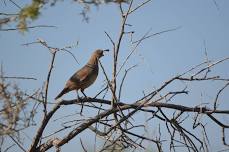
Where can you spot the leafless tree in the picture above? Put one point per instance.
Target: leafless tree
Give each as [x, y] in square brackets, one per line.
[114, 121]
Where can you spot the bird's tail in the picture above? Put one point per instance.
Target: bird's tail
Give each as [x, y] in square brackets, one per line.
[65, 90]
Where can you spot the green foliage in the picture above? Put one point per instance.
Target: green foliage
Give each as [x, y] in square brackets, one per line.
[31, 11]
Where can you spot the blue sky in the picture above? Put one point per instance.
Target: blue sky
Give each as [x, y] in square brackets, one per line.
[158, 58]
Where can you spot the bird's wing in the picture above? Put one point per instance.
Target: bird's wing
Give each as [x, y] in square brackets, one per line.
[82, 75]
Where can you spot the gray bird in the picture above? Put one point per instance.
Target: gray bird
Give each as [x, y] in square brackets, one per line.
[85, 77]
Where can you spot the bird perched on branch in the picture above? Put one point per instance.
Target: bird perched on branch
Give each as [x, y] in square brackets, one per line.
[85, 77]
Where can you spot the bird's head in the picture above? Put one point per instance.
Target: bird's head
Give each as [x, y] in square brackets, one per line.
[99, 53]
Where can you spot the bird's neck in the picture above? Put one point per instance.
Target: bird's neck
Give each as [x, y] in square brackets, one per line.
[93, 60]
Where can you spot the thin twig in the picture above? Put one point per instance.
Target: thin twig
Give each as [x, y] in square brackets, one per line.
[8, 148]
[17, 143]
[29, 27]
[81, 142]
[14, 77]
[9, 14]
[132, 51]
[117, 48]
[63, 49]
[15, 4]
[158, 33]
[224, 137]
[217, 96]
[139, 6]
[121, 85]
[113, 43]
[209, 66]
[47, 82]
[108, 82]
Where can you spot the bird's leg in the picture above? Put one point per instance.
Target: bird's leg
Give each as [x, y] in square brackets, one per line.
[82, 103]
[81, 111]
[83, 93]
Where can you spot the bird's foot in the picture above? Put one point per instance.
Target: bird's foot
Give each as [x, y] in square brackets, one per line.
[87, 98]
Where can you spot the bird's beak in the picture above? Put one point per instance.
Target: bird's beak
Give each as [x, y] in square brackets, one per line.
[107, 50]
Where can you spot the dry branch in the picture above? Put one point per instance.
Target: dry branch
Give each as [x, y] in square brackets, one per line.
[135, 106]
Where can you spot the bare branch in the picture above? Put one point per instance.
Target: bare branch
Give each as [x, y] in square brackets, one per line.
[219, 92]
[132, 51]
[53, 51]
[117, 48]
[139, 6]
[209, 66]
[29, 27]
[84, 149]
[108, 82]
[15, 4]
[217, 121]
[224, 137]
[158, 33]
[100, 116]
[121, 85]
[17, 143]
[63, 49]
[113, 43]
[14, 77]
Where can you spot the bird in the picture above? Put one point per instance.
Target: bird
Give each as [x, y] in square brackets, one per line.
[85, 76]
